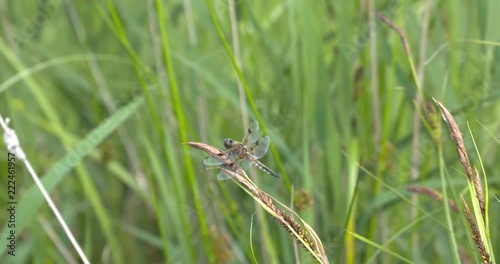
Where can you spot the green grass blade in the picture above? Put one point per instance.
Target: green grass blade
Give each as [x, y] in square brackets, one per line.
[32, 199]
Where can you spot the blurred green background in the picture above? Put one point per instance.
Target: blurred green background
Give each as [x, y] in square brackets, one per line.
[103, 95]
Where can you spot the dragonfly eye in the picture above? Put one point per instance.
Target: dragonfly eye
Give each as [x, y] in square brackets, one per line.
[228, 142]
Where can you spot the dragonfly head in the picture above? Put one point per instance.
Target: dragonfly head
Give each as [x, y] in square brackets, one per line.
[228, 143]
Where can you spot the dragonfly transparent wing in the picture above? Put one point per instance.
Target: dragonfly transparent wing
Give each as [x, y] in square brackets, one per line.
[252, 133]
[219, 160]
[211, 161]
[261, 146]
[222, 176]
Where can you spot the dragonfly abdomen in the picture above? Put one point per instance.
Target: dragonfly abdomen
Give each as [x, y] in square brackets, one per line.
[264, 168]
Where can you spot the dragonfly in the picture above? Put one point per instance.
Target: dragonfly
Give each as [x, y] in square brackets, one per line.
[250, 149]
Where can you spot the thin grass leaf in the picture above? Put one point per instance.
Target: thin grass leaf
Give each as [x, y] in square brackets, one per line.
[384, 249]
[32, 199]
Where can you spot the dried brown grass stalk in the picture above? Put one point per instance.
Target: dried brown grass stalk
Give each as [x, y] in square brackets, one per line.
[398, 30]
[476, 236]
[433, 194]
[475, 181]
[456, 135]
[302, 233]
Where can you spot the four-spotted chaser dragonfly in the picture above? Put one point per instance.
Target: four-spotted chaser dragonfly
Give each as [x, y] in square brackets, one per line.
[250, 149]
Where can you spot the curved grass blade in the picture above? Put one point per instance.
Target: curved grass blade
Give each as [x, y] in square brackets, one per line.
[32, 199]
[371, 243]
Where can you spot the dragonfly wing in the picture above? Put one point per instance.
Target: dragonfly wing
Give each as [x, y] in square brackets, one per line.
[210, 160]
[222, 176]
[261, 147]
[252, 133]
[222, 159]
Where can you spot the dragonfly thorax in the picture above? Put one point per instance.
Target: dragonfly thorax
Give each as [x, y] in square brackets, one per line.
[236, 148]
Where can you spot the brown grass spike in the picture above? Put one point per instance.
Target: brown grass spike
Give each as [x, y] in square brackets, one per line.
[433, 194]
[476, 236]
[296, 230]
[456, 135]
